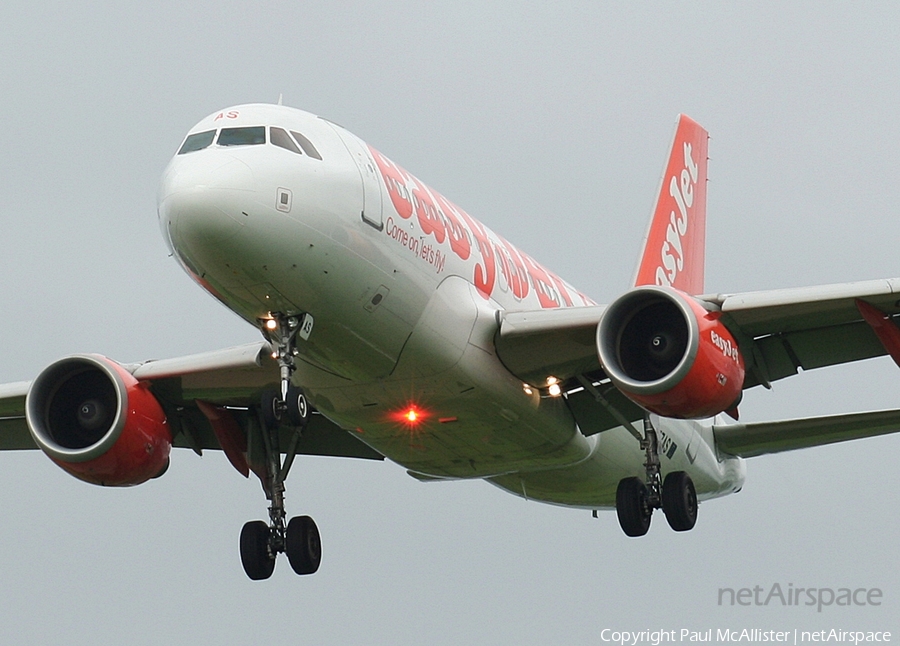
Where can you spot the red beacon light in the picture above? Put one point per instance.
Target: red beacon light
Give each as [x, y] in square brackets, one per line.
[410, 416]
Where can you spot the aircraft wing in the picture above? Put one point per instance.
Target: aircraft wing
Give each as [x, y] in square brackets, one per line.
[233, 377]
[779, 333]
[534, 345]
[787, 330]
[750, 440]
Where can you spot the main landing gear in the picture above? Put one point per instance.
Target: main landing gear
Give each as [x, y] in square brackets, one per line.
[635, 500]
[299, 539]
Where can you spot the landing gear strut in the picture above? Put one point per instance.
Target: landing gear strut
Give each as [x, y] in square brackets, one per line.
[636, 499]
[299, 538]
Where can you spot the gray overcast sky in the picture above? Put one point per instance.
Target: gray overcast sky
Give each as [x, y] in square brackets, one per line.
[551, 125]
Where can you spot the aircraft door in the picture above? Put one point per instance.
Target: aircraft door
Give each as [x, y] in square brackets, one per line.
[372, 209]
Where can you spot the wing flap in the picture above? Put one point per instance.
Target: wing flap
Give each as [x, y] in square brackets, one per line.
[783, 354]
[828, 346]
[760, 438]
[14, 432]
[321, 436]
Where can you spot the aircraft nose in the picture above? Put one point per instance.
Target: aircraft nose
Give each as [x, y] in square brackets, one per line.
[202, 208]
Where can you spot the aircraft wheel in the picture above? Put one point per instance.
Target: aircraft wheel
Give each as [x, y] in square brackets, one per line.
[679, 500]
[632, 506]
[303, 545]
[255, 557]
[270, 405]
[297, 407]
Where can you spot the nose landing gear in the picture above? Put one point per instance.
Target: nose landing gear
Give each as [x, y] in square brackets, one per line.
[299, 539]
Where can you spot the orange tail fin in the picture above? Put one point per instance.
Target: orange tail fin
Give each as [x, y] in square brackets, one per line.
[676, 240]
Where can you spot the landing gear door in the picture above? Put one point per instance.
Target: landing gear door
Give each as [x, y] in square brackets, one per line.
[693, 446]
[372, 210]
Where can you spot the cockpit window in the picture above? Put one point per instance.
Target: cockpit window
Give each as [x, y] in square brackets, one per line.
[242, 136]
[306, 145]
[282, 139]
[197, 141]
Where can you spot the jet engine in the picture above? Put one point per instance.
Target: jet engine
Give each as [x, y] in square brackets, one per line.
[97, 422]
[667, 353]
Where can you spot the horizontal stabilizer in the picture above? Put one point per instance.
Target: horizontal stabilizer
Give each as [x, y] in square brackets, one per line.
[750, 440]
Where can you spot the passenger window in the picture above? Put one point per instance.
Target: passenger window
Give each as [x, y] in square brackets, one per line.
[242, 136]
[280, 138]
[197, 141]
[306, 145]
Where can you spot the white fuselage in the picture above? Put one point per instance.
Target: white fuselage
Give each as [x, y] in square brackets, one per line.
[403, 289]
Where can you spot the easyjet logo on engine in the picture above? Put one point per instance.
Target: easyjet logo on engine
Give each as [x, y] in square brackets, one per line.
[681, 189]
[725, 345]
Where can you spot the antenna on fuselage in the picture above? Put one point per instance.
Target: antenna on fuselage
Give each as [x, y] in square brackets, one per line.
[279, 98]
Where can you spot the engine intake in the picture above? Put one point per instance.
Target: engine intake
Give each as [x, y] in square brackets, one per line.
[667, 353]
[97, 422]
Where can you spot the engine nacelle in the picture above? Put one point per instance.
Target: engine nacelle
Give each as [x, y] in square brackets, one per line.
[97, 422]
[667, 353]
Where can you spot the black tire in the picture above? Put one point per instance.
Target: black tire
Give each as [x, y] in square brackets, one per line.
[679, 500]
[297, 407]
[303, 545]
[270, 405]
[632, 507]
[255, 558]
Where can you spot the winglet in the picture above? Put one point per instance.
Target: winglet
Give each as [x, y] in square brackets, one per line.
[674, 248]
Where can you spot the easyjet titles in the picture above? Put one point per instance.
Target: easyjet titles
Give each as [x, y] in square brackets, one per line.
[725, 345]
[681, 189]
[447, 225]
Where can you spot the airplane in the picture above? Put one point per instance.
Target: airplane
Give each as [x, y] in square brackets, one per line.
[396, 326]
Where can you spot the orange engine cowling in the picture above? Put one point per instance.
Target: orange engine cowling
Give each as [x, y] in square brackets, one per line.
[97, 422]
[667, 353]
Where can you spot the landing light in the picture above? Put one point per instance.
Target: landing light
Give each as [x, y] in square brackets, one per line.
[271, 324]
[553, 387]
